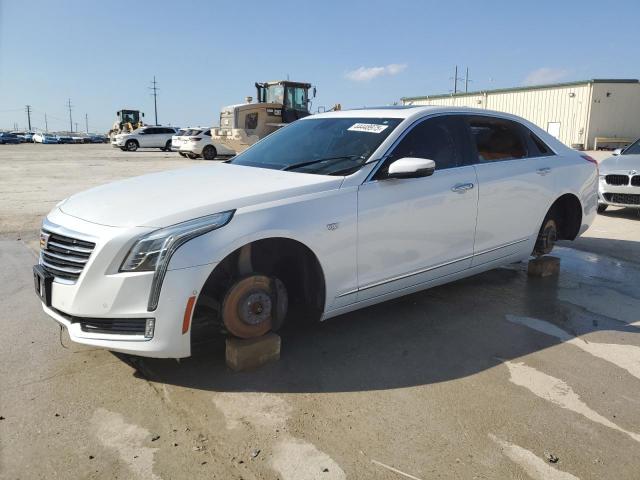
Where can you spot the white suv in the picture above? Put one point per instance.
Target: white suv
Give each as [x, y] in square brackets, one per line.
[330, 214]
[197, 143]
[145, 137]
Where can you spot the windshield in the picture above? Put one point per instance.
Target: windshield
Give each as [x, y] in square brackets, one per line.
[633, 149]
[326, 146]
[274, 94]
[129, 117]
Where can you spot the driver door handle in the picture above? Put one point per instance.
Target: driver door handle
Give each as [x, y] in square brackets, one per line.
[543, 171]
[462, 187]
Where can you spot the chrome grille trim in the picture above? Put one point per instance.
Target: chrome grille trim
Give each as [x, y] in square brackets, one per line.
[64, 256]
[69, 247]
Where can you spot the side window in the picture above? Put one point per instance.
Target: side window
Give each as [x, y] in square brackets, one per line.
[207, 132]
[151, 131]
[436, 139]
[251, 121]
[537, 148]
[497, 139]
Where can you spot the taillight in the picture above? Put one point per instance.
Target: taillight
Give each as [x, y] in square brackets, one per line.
[592, 160]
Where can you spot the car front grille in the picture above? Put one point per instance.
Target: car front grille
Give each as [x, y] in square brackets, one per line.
[63, 256]
[622, 198]
[635, 181]
[617, 179]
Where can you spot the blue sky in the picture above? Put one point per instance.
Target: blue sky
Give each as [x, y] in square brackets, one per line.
[205, 55]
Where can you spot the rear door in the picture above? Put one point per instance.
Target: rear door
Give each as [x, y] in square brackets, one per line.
[516, 185]
[413, 230]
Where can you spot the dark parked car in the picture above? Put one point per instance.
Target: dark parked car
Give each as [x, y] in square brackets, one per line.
[9, 138]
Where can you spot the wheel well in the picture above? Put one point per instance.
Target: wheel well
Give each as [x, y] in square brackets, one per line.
[289, 260]
[567, 212]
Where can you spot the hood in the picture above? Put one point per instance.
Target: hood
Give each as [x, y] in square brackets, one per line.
[167, 198]
[625, 163]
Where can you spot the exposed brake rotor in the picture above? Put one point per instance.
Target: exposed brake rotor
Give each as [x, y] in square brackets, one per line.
[254, 305]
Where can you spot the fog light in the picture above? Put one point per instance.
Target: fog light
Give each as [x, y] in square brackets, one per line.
[149, 327]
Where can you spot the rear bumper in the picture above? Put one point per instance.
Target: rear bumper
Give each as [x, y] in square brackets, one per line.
[191, 147]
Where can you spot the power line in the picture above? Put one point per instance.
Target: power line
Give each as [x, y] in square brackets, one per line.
[155, 89]
[28, 108]
[70, 119]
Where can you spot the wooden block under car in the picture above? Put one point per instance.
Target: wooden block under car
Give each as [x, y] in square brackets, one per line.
[247, 353]
[544, 267]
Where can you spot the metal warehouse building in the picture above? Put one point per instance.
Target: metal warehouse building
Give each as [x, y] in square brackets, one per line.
[586, 115]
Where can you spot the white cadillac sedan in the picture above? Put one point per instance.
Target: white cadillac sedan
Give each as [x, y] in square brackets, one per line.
[328, 215]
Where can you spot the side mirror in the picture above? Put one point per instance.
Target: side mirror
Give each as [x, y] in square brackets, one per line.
[143, 115]
[618, 151]
[411, 167]
[314, 92]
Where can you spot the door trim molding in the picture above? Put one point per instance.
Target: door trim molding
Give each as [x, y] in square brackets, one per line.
[428, 269]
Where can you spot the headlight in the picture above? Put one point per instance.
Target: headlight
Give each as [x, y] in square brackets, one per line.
[153, 251]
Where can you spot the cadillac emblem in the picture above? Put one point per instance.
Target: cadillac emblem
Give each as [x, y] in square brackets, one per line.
[44, 240]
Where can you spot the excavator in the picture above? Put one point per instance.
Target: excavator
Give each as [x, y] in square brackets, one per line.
[277, 103]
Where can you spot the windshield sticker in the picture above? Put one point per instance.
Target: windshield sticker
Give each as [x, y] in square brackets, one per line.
[367, 127]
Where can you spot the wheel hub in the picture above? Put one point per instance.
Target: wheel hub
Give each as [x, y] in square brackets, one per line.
[255, 308]
[547, 238]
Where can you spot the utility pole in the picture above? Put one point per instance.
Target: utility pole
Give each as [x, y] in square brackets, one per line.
[46, 125]
[28, 107]
[155, 89]
[466, 81]
[455, 81]
[76, 128]
[70, 119]
[86, 121]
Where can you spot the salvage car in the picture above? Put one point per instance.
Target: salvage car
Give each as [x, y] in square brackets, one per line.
[44, 137]
[620, 179]
[327, 215]
[198, 144]
[145, 137]
[11, 138]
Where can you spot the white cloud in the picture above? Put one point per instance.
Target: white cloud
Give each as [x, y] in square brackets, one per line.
[545, 75]
[365, 74]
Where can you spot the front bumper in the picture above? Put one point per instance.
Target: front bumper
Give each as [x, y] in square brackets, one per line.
[102, 292]
[118, 142]
[618, 195]
[168, 340]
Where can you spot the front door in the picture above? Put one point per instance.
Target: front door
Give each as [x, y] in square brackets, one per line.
[413, 230]
[146, 139]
